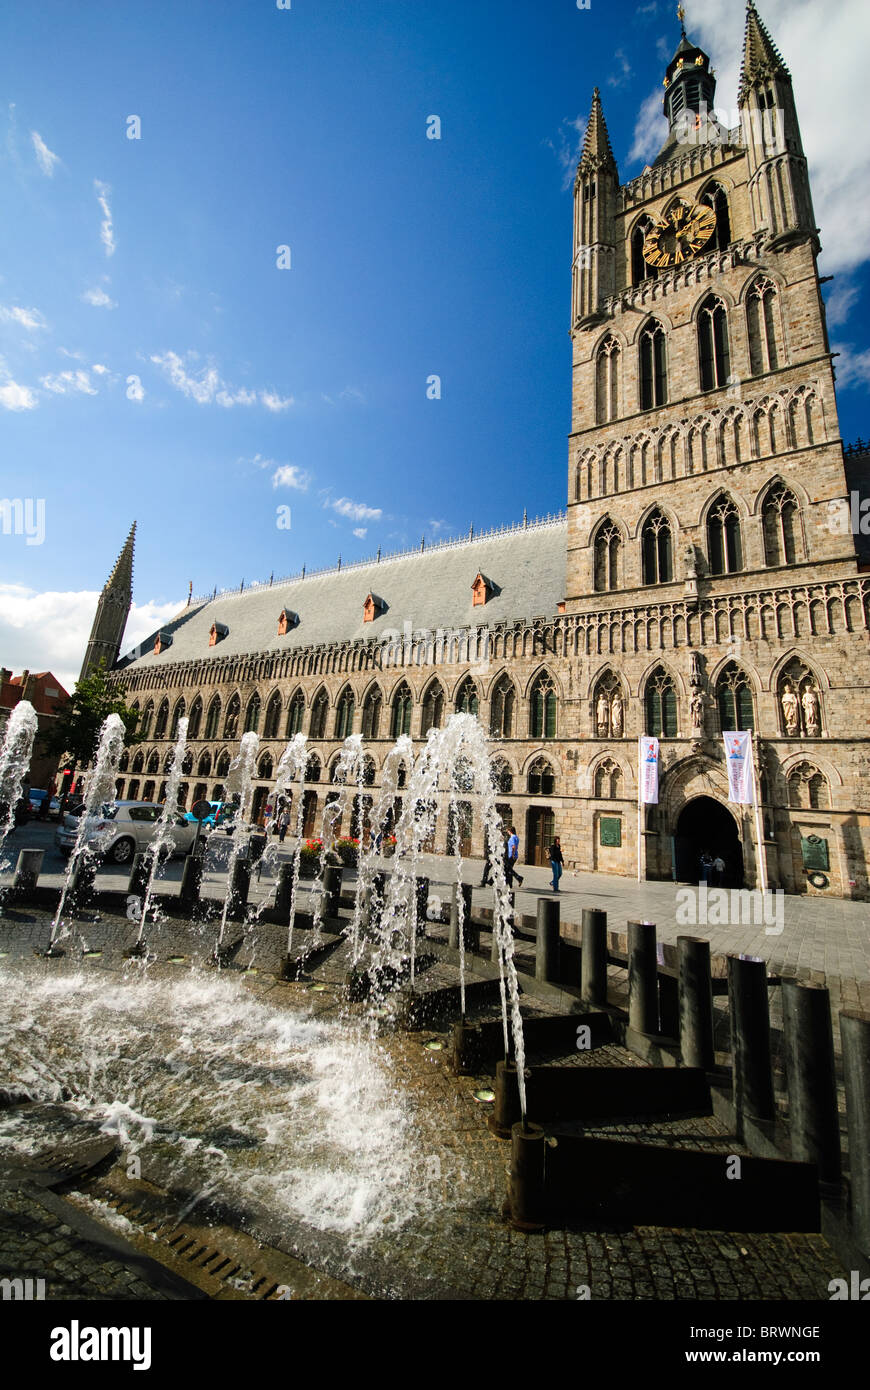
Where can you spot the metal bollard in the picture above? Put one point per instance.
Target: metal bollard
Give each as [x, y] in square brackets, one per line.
[696, 1002]
[855, 1045]
[506, 1109]
[139, 875]
[750, 1038]
[494, 950]
[593, 961]
[548, 943]
[191, 881]
[643, 983]
[527, 1189]
[284, 890]
[82, 883]
[27, 872]
[466, 1049]
[239, 889]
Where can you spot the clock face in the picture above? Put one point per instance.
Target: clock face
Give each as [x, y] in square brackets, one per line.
[679, 236]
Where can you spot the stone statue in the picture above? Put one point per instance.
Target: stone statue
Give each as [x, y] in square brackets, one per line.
[696, 708]
[810, 702]
[691, 563]
[602, 716]
[616, 715]
[697, 678]
[789, 702]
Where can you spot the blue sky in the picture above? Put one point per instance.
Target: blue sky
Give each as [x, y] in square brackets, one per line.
[156, 364]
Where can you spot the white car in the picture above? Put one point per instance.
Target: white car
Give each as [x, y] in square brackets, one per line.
[123, 828]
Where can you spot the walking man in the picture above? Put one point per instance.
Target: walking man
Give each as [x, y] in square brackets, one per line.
[283, 822]
[556, 863]
[512, 854]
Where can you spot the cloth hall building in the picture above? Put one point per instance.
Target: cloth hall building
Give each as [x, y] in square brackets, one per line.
[705, 575]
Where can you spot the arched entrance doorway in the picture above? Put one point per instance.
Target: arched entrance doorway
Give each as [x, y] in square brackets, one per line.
[707, 825]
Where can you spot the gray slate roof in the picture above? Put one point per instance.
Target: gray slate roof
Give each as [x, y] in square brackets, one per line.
[429, 589]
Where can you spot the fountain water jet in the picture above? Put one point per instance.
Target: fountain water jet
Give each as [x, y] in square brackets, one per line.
[243, 766]
[15, 756]
[162, 838]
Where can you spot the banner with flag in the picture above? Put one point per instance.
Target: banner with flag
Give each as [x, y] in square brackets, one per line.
[741, 772]
[648, 778]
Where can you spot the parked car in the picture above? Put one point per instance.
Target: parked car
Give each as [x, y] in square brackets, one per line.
[122, 829]
[54, 808]
[37, 799]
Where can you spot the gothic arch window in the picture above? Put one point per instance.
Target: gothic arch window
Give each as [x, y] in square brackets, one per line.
[167, 763]
[252, 714]
[195, 721]
[734, 699]
[639, 268]
[713, 352]
[180, 707]
[716, 198]
[660, 702]
[148, 715]
[608, 707]
[503, 709]
[222, 766]
[153, 766]
[808, 788]
[541, 781]
[344, 713]
[313, 768]
[724, 547]
[608, 361]
[780, 525]
[764, 327]
[295, 714]
[653, 369]
[162, 720]
[264, 767]
[402, 704]
[501, 776]
[231, 722]
[369, 771]
[272, 722]
[657, 549]
[213, 718]
[138, 761]
[542, 712]
[606, 557]
[319, 708]
[372, 705]
[466, 697]
[203, 767]
[433, 707]
[608, 781]
[799, 701]
[124, 761]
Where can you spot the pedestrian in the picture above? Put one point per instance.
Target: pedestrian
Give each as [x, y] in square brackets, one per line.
[706, 866]
[556, 862]
[718, 875]
[512, 854]
[283, 823]
[487, 864]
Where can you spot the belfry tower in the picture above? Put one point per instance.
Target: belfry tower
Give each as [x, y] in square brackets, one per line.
[113, 608]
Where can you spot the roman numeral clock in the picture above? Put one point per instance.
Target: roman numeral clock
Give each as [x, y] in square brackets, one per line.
[680, 235]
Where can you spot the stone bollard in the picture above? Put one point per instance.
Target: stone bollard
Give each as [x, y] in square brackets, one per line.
[696, 1002]
[284, 891]
[527, 1187]
[750, 1039]
[506, 1108]
[139, 875]
[548, 941]
[643, 982]
[812, 1089]
[240, 887]
[855, 1045]
[467, 928]
[27, 872]
[593, 960]
[191, 882]
[331, 890]
[466, 1049]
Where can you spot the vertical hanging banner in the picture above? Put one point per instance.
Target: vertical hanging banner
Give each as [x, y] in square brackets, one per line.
[648, 771]
[741, 773]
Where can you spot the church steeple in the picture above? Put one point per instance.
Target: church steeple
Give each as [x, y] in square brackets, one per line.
[596, 152]
[112, 612]
[761, 57]
[596, 189]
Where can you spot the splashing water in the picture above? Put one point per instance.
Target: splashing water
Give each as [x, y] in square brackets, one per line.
[15, 756]
[241, 777]
[163, 838]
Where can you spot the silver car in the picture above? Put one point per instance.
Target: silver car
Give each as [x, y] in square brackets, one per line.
[122, 829]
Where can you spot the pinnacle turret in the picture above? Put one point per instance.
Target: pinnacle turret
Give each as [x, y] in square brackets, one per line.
[596, 152]
[761, 57]
[113, 610]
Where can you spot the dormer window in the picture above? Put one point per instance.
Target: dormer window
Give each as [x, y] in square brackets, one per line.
[287, 620]
[217, 633]
[481, 590]
[161, 642]
[372, 608]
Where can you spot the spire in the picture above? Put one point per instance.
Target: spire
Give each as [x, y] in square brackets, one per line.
[596, 153]
[122, 574]
[761, 57]
[113, 608]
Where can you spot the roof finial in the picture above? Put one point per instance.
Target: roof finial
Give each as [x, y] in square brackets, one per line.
[681, 16]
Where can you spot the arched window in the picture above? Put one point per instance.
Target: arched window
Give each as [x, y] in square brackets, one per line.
[724, 549]
[653, 371]
[148, 715]
[808, 788]
[180, 707]
[124, 761]
[138, 761]
[502, 709]
[779, 515]
[295, 714]
[195, 721]
[313, 769]
[369, 771]
[608, 781]
[162, 720]
[717, 199]
[541, 779]
[252, 714]
[466, 697]
[222, 766]
[501, 776]
[231, 722]
[153, 766]
[344, 713]
[372, 706]
[713, 352]
[433, 707]
[799, 701]
[542, 712]
[657, 550]
[272, 723]
[606, 557]
[317, 727]
[763, 325]
[203, 767]
[608, 361]
[402, 703]
[213, 718]
[661, 705]
[734, 699]
[608, 707]
[264, 767]
[639, 268]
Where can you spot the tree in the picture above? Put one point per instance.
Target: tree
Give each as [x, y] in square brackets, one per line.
[76, 729]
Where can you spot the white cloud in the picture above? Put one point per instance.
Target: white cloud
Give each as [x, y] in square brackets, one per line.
[27, 318]
[361, 532]
[69, 384]
[852, 368]
[99, 299]
[13, 396]
[207, 387]
[272, 401]
[650, 129]
[355, 511]
[839, 303]
[44, 157]
[288, 475]
[107, 231]
[621, 76]
[49, 631]
[349, 393]
[567, 147]
[100, 369]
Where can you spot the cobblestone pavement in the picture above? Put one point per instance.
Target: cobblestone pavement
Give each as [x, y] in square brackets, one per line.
[458, 1246]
